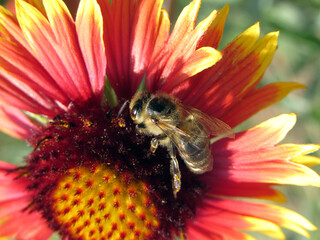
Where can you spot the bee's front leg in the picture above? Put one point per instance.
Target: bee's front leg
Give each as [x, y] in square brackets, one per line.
[155, 142]
[175, 171]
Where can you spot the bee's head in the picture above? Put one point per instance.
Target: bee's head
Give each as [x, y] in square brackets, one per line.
[137, 105]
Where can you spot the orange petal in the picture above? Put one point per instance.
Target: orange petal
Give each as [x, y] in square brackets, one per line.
[67, 47]
[266, 227]
[148, 19]
[89, 20]
[272, 172]
[185, 23]
[57, 51]
[9, 27]
[201, 59]
[217, 86]
[181, 48]
[244, 42]
[18, 65]
[14, 199]
[40, 36]
[180, 45]
[177, 51]
[208, 227]
[209, 218]
[14, 123]
[264, 135]
[280, 152]
[263, 50]
[256, 101]
[213, 35]
[252, 157]
[237, 79]
[271, 213]
[162, 37]
[37, 4]
[15, 92]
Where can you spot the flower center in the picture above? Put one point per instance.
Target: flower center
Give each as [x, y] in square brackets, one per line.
[98, 203]
[93, 176]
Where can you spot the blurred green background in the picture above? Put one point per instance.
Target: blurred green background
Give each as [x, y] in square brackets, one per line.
[297, 59]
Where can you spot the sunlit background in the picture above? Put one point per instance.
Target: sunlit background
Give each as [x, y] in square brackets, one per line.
[297, 59]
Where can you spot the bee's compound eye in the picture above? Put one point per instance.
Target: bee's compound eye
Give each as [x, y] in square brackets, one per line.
[136, 109]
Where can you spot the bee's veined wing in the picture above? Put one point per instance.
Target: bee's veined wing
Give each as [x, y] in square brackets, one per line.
[213, 126]
[192, 151]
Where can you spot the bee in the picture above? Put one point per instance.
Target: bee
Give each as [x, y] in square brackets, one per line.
[177, 127]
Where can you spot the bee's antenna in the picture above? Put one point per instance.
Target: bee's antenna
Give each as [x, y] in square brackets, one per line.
[122, 108]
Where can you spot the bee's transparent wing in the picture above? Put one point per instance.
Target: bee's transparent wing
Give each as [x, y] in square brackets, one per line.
[193, 150]
[213, 126]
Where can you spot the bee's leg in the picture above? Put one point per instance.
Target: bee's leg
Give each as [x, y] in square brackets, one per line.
[155, 142]
[175, 171]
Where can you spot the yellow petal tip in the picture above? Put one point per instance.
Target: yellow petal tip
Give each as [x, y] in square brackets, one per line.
[225, 9]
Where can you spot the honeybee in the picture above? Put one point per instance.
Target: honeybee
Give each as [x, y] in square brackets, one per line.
[176, 126]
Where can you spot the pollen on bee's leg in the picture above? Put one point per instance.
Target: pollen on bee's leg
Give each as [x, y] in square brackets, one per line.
[102, 204]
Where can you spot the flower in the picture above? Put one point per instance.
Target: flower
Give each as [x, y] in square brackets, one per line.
[91, 175]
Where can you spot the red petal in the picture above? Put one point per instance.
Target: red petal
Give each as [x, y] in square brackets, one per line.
[20, 95]
[117, 20]
[20, 65]
[52, 55]
[148, 20]
[89, 20]
[224, 186]
[15, 123]
[179, 47]
[15, 220]
[67, 46]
